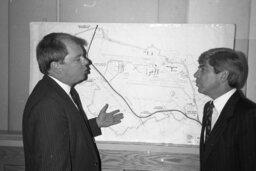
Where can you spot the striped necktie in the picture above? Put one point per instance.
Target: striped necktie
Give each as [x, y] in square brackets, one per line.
[208, 119]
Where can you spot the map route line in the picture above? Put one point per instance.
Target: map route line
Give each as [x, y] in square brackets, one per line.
[176, 110]
[160, 111]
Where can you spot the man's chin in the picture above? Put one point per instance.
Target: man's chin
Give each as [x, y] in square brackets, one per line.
[84, 79]
[199, 90]
[202, 92]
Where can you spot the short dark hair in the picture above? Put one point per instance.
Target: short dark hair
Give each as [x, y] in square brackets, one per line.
[52, 48]
[234, 62]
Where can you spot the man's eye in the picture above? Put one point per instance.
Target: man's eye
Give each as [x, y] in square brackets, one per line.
[201, 69]
[79, 59]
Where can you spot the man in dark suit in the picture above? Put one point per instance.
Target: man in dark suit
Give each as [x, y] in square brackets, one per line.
[57, 135]
[231, 143]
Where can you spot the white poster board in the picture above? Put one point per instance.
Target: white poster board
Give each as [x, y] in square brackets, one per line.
[146, 71]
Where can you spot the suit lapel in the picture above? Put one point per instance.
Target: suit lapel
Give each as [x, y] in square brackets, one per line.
[67, 99]
[221, 124]
[56, 87]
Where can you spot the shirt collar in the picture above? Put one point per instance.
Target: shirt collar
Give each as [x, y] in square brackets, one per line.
[220, 102]
[64, 86]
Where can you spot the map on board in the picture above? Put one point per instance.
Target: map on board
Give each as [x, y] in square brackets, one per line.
[146, 71]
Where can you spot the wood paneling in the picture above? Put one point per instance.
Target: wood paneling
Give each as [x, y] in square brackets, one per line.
[134, 160]
[12, 159]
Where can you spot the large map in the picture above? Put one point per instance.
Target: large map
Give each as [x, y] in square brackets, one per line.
[146, 71]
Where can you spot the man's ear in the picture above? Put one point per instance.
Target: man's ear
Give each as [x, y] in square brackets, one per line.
[56, 67]
[224, 75]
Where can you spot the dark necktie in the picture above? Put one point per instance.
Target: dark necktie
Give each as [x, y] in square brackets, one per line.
[208, 119]
[76, 99]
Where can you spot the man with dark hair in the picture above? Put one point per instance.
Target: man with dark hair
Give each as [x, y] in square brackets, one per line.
[228, 135]
[57, 135]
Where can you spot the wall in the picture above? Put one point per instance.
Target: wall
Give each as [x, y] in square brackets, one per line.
[231, 11]
[21, 12]
[4, 65]
[251, 83]
[137, 11]
[224, 11]
[15, 16]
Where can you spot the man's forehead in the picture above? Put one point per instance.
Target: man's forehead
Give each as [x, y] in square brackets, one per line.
[204, 64]
[68, 42]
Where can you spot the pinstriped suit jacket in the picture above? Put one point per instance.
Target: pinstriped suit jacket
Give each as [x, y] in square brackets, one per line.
[55, 135]
[232, 143]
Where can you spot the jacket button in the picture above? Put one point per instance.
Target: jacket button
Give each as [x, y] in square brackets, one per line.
[95, 164]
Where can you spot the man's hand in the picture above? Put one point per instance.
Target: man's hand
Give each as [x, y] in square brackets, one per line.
[107, 119]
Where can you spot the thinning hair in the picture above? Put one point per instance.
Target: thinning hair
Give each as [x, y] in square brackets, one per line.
[52, 48]
[234, 62]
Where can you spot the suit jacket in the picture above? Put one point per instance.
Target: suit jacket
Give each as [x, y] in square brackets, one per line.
[55, 135]
[232, 142]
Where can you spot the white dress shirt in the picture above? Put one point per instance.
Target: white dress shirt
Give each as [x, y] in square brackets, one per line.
[219, 104]
[65, 87]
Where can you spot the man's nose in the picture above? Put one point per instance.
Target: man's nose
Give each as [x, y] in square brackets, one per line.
[89, 61]
[85, 61]
[196, 74]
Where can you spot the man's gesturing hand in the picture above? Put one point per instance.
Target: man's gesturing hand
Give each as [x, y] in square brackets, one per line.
[107, 119]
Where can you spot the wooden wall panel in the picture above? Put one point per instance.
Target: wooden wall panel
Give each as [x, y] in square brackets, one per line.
[12, 159]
